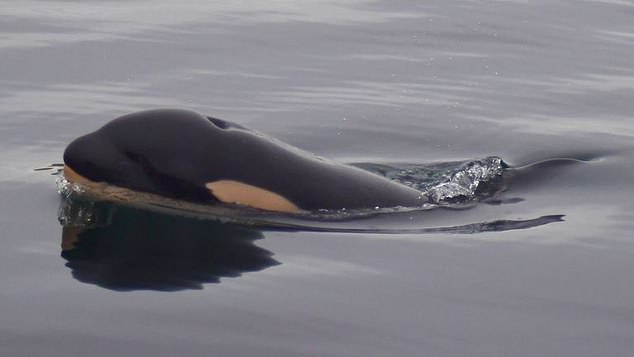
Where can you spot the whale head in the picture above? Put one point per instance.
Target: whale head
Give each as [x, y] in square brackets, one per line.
[179, 154]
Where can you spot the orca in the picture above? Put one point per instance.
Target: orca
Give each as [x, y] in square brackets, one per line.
[185, 155]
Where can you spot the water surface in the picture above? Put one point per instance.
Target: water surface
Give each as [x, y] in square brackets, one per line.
[547, 86]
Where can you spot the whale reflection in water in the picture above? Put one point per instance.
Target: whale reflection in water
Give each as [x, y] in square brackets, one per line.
[124, 248]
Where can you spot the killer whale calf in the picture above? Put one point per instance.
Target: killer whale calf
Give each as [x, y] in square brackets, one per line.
[185, 155]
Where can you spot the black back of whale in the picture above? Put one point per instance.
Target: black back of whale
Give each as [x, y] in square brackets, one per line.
[176, 152]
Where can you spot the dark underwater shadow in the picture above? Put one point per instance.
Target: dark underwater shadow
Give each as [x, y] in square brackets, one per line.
[123, 248]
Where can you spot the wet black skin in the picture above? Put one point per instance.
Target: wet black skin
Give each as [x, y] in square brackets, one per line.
[174, 153]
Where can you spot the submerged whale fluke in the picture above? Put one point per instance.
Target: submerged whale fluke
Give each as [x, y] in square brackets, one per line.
[185, 155]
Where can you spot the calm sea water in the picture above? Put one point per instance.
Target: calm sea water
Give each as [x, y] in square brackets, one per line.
[532, 82]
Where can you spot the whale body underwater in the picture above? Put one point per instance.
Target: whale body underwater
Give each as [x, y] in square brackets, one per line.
[185, 155]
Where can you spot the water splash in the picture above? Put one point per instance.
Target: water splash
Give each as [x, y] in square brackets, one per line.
[448, 182]
[473, 179]
[73, 212]
[66, 188]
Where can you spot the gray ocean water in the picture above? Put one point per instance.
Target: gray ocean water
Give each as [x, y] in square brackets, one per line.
[548, 86]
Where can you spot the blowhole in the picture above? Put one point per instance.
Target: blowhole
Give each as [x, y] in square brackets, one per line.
[218, 122]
